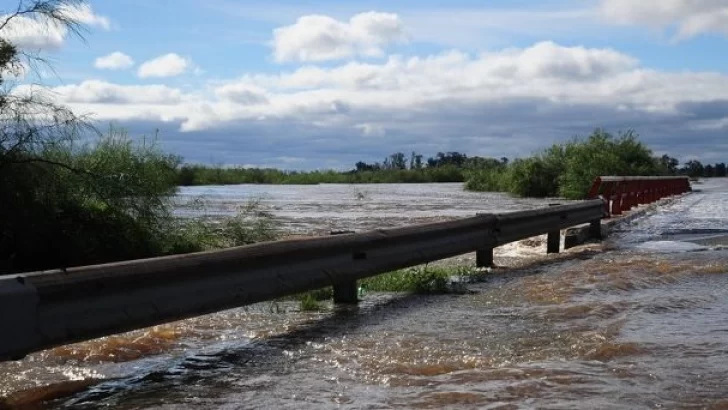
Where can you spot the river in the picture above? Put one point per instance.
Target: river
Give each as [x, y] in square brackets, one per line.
[639, 321]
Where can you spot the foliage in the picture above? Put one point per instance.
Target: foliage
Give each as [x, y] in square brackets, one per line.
[63, 205]
[70, 196]
[444, 167]
[422, 280]
[250, 224]
[568, 169]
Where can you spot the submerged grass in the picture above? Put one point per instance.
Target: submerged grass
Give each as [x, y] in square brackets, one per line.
[421, 280]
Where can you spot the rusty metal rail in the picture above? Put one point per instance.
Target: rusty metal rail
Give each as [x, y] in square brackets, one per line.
[624, 193]
[41, 310]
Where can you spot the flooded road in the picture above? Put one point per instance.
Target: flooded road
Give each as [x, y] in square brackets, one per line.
[639, 322]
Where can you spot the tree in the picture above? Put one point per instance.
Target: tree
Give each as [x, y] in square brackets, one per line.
[62, 202]
[720, 169]
[418, 161]
[669, 164]
[693, 169]
[443, 159]
[397, 161]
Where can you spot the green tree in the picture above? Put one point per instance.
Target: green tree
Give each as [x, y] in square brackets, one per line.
[669, 164]
[720, 169]
[569, 169]
[693, 168]
[63, 202]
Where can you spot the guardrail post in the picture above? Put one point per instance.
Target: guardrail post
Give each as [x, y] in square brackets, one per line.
[345, 292]
[617, 203]
[595, 229]
[484, 257]
[553, 239]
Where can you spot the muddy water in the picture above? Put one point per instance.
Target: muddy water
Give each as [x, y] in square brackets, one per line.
[306, 209]
[638, 322]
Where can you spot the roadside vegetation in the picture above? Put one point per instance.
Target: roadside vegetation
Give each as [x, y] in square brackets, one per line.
[422, 280]
[567, 170]
[71, 195]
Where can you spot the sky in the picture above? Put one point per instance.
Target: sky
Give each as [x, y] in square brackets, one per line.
[323, 84]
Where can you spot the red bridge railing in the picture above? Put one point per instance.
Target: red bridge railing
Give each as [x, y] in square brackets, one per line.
[624, 193]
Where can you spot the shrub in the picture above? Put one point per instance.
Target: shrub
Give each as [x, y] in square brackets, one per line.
[569, 169]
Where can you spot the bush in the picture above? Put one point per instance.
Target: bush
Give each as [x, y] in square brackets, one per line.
[62, 204]
[249, 225]
[568, 169]
[67, 204]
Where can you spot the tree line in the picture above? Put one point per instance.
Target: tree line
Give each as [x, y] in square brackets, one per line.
[564, 169]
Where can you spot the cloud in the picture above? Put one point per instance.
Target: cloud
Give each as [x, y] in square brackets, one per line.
[85, 15]
[510, 102]
[689, 17]
[168, 65]
[320, 38]
[114, 61]
[38, 32]
[245, 94]
[102, 92]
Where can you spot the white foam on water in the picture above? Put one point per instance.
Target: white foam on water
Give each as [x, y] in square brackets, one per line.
[669, 246]
[695, 216]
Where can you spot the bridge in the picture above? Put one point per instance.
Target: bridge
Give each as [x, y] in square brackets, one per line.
[40, 310]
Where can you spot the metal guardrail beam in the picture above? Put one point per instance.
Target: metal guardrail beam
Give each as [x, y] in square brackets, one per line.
[623, 193]
[639, 178]
[45, 309]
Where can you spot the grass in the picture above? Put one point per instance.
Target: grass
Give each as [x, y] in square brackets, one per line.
[422, 280]
[419, 280]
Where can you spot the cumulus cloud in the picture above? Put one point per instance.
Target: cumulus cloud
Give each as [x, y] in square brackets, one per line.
[320, 38]
[168, 65]
[114, 61]
[102, 92]
[38, 32]
[241, 93]
[690, 17]
[506, 103]
[83, 13]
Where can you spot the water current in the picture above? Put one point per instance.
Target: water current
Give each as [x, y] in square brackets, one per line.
[639, 321]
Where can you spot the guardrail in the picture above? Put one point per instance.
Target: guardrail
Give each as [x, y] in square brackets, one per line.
[45, 309]
[624, 193]
[41, 310]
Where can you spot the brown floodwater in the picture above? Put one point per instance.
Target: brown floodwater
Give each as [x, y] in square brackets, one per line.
[640, 321]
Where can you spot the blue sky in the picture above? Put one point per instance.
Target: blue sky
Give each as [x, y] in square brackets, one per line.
[326, 83]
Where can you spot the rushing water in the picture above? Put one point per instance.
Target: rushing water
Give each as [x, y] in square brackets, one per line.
[306, 209]
[638, 322]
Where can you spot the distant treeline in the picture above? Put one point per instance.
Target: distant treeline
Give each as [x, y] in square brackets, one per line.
[695, 168]
[396, 168]
[564, 170]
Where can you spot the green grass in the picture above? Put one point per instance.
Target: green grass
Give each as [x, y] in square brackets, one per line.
[419, 280]
[423, 280]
